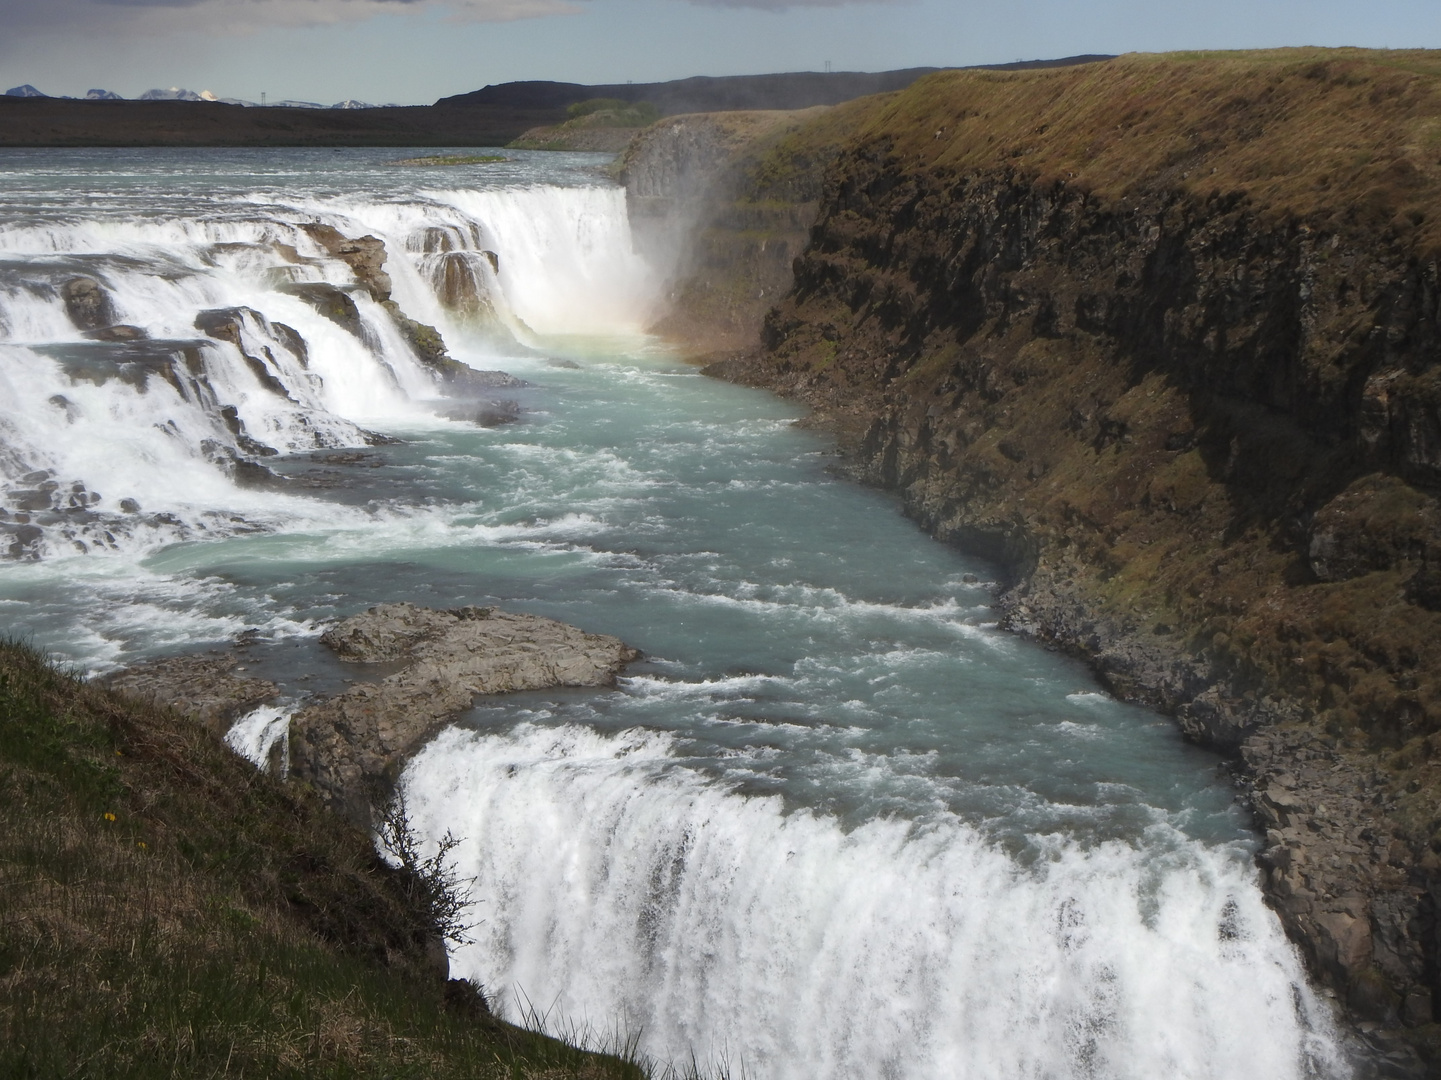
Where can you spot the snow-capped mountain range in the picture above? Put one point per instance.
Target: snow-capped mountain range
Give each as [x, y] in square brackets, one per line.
[176, 93]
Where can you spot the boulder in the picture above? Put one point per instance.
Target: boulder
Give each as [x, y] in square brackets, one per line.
[349, 744]
[87, 303]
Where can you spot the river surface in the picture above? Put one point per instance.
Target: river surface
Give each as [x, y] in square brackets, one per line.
[835, 824]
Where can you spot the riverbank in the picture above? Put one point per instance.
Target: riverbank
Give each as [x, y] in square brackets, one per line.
[167, 910]
[829, 789]
[1155, 335]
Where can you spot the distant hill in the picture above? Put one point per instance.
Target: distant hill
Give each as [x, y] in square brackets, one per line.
[791, 90]
[492, 116]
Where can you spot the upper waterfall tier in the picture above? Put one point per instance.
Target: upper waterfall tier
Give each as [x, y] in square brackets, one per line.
[151, 363]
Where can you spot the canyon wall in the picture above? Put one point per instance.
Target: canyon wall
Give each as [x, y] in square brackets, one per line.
[1159, 336]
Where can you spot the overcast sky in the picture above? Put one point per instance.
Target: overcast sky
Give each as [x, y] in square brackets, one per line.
[414, 51]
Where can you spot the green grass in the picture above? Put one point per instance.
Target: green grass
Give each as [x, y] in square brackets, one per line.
[613, 112]
[167, 911]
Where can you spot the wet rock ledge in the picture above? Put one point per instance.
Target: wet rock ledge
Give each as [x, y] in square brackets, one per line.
[345, 745]
[433, 663]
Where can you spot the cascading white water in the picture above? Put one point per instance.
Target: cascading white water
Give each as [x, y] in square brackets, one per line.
[141, 437]
[835, 825]
[567, 264]
[620, 891]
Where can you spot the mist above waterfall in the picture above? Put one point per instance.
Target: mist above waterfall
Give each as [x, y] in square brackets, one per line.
[154, 360]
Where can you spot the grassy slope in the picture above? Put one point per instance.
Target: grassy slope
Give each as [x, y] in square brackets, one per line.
[165, 910]
[1345, 138]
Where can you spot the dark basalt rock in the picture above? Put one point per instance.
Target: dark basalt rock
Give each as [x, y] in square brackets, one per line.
[365, 255]
[224, 324]
[430, 349]
[332, 302]
[481, 413]
[120, 332]
[87, 303]
[130, 360]
[241, 470]
[20, 540]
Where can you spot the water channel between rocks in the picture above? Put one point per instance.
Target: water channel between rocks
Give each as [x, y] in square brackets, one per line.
[835, 824]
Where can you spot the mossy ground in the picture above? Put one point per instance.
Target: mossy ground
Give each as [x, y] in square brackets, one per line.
[1339, 136]
[165, 910]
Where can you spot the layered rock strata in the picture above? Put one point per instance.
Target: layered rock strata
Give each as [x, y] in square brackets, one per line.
[708, 204]
[1161, 338]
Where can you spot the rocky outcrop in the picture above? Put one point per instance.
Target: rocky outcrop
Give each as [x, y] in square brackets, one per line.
[365, 255]
[227, 324]
[332, 302]
[434, 664]
[207, 687]
[87, 303]
[455, 377]
[346, 745]
[1189, 401]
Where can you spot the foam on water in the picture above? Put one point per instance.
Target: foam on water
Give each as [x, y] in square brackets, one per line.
[147, 423]
[835, 824]
[621, 889]
[256, 735]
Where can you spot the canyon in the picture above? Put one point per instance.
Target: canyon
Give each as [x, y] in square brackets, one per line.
[1159, 337]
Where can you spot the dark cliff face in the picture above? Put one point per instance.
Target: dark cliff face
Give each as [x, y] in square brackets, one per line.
[1220, 421]
[1200, 427]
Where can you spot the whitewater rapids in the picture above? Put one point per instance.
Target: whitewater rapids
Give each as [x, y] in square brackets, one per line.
[835, 825]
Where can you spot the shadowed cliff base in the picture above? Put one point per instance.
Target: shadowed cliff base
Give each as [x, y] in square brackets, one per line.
[493, 116]
[1160, 335]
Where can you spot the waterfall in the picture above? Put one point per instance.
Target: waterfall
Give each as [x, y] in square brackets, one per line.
[835, 825]
[150, 365]
[620, 891]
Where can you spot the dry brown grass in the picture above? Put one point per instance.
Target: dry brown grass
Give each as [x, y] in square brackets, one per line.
[1346, 134]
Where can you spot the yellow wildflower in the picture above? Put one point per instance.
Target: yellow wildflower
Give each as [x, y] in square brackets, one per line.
[109, 816]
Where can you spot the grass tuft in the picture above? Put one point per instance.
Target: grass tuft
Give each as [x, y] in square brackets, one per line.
[167, 911]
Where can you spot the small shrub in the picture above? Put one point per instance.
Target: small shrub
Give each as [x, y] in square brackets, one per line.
[434, 886]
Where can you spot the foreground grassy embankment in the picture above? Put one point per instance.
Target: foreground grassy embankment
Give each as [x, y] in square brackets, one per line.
[165, 910]
[1163, 336]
